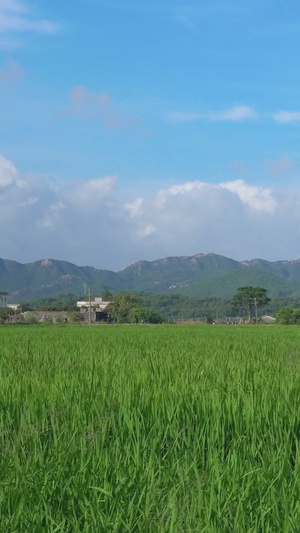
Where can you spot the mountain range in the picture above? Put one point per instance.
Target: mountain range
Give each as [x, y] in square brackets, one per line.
[200, 275]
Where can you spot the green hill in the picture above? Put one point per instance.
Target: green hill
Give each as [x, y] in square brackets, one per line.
[165, 274]
[50, 277]
[226, 284]
[289, 270]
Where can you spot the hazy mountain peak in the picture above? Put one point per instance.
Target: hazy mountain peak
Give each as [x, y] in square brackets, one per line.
[46, 262]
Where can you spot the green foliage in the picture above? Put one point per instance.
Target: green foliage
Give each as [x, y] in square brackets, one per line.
[288, 316]
[248, 298]
[24, 307]
[178, 307]
[225, 284]
[30, 319]
[55, 307]
[74, 317]
[122, 305]
[142, 315]
[62, 302]
[126, 307]
[4, 314]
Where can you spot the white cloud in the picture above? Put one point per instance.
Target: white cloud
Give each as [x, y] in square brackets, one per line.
[88, 105]
[286, 117]
[9, 175]
[134, 208]
[175, 190]
[257, 198]
[15, 17]
[238, 113]
[89, 223]
[88, 195]
[146, 231]
[12, 73]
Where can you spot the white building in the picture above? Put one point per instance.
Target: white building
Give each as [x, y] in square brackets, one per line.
[98, 304]
[268, 319]
[14, 307]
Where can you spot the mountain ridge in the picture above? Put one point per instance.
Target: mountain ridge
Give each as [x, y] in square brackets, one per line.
[49, 277]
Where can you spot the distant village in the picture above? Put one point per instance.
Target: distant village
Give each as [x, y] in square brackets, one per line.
[89, 311]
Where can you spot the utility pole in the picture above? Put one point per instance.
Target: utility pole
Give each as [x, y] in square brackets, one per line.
[89, 307]
[255, 303]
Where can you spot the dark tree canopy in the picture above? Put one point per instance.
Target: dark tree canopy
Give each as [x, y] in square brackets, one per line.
[122, 304]
[249, 298]
[287, 316]
[126, 307]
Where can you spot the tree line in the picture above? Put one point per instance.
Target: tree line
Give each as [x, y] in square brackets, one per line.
[141, 307]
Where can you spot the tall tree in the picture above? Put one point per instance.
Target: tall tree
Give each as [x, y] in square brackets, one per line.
[121, 305]
[249, 299]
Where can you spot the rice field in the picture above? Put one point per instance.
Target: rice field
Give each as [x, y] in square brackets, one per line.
[150, 429]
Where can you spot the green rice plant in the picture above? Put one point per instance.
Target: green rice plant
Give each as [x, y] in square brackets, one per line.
[150, 428]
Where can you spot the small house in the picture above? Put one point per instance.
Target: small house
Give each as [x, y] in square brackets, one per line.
[98, 304]
[96, 308]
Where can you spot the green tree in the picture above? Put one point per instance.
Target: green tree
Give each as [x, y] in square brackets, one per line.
[121, 305]
[297, 316]
[250, 298]
[4, 314]
[143, 315]
[106, 295]
[285, 315]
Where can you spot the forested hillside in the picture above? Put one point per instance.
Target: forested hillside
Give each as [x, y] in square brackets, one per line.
[201, 275]
[225, 285]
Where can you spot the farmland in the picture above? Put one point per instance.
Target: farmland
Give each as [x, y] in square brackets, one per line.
[150, 429]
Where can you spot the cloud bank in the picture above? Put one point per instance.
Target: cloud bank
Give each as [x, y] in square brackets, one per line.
[88, 223]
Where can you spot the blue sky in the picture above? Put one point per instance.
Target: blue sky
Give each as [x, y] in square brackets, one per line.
[140, 130]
